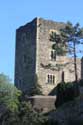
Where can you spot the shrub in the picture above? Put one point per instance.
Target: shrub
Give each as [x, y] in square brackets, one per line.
[81, 82]
[66, 92]
[36, 89]
[75, 122]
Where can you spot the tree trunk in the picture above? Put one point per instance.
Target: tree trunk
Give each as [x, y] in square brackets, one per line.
[75, 62]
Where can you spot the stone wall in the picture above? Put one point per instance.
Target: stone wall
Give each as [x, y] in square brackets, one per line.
[25, 56]
[33, 48]
[44, 47]
[43, 103]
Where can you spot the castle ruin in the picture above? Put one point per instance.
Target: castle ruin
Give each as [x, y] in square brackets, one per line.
[34, 57]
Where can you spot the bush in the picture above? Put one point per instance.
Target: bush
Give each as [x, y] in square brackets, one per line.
[75, 122]
[14, 109]
[36, 89]
[51, 122]
[81, 82]
[66, 92]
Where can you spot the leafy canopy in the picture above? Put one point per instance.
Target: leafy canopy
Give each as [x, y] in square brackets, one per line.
[8, 93]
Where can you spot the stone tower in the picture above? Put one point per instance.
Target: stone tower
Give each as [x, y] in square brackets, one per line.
[34, 56]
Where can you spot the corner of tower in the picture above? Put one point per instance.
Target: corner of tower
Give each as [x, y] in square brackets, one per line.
[37, 43]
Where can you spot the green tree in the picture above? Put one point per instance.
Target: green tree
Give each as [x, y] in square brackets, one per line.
[14, 109]
[9, 100]
[73, 36]
[9, 94]
[59, 43]
[28, 115]
[67, 41]
[59, 46]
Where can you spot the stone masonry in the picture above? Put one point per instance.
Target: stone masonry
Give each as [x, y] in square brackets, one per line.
[33, 57]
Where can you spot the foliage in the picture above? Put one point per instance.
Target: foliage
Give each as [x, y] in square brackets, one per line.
[51, 122]
[8, 93]
[10, 118]
[36, 89]
[58, 43]
[67, 40]
[73, 35]
[75, 122]
[81, 82]
[29, 115]
[16, 111]
[52, 67]
[66, 92]
[26, 115]
[60, 50]
[9, 100]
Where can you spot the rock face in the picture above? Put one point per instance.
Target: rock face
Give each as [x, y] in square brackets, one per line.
[33, 57]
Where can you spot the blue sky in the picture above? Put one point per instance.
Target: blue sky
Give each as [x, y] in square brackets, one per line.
[14, 13]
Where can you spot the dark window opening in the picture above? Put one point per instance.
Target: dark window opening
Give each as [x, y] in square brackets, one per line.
[53, 55]
[51, 79]
[63, 76]
[24, 58]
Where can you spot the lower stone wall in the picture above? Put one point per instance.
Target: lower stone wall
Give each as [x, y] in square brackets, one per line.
[43, 103]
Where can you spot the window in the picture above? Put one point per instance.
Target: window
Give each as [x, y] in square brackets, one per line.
[19, 85]
[53, 55]
[51, 79]
[63, 76]
[24, 58]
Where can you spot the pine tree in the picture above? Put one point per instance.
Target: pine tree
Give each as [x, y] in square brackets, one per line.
[67, 40]
[73, 35]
